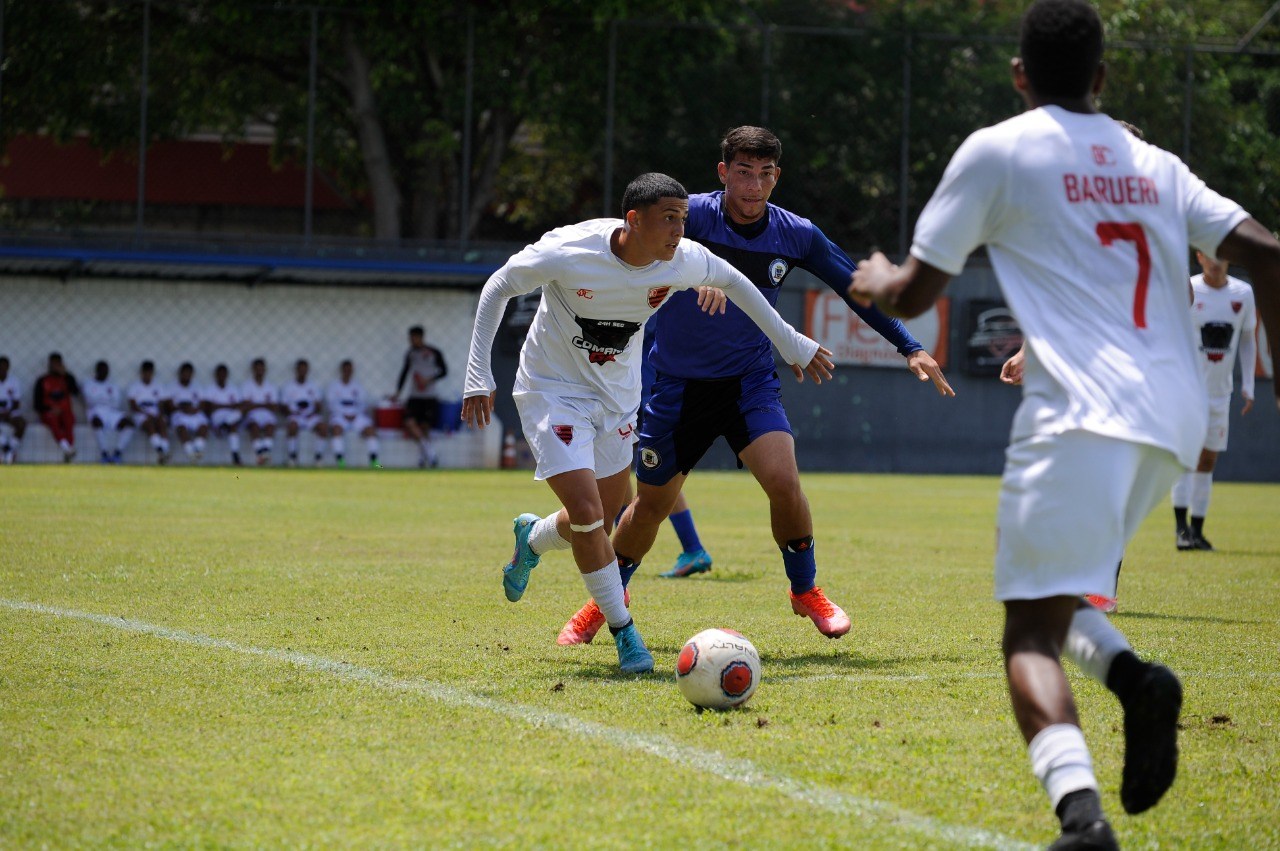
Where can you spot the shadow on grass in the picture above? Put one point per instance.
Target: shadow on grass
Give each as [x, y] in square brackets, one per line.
[1160, 616]
[807, 664]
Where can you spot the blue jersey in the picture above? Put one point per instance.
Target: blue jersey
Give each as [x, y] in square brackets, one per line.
[690, 344]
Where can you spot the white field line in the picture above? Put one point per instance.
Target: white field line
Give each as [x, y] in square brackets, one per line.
[733, 769]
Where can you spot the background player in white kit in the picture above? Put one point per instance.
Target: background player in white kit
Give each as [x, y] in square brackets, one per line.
[261, 403]
[222, 407]
[578, 385]
[1225, 320]
[303, 403]
[104, 408]
[1087, 228]
[186, 413]
[146, 408]
[12, 424]
[345, 400]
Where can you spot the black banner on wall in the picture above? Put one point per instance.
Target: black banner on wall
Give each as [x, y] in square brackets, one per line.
[992, 336]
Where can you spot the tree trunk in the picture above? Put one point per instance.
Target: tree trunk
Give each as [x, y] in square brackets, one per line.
[373, 143]
[500, 134]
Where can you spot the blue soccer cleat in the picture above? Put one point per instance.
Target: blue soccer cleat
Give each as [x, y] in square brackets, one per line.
[515, 576]
[687, 564]
[633, 656]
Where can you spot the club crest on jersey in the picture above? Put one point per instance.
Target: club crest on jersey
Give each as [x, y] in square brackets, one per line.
[564, 432]
[650, 458]
[1236, 305]
[656, 296]
[777, 271]
[586, 294]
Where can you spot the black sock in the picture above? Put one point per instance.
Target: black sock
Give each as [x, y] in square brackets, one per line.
[1197, 526]
[1180, 517]
[1125, 674]
[629, 622]
[1079, 809]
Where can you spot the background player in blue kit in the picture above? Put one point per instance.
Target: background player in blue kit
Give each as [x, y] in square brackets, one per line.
[717, 379]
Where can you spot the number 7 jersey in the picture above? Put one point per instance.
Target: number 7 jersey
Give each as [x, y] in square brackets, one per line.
[1088, 229]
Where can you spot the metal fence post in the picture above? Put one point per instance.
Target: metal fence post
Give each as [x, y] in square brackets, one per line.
[1186, 107]
[311, 126]
[904, 165]
[464, 218]
[766, 34]
[608, 118]
[142, 119]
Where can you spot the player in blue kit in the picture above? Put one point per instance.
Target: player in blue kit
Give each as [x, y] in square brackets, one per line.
[717, 378]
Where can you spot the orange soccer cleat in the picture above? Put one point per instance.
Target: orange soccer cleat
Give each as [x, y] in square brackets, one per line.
[829, 618]
[1106, 605]
[584, 625]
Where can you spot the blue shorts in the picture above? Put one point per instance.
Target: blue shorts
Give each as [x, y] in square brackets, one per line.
[684, 416]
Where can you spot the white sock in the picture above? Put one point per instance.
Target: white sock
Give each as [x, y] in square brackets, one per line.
[544, 537]
[1182, 491]
[198, 443]
[1201, 485]
[339, 445]
[233, 442]
[156, 442]
[291, 444]
[189, 449]
[371, 446]
[605, 585]
[1061, 762]
[100, 435]
[164, 445]
[1093, 642]
[122, 442]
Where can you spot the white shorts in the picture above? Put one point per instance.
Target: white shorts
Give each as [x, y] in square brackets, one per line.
[356, 424]
[1215, 437]
[1069, 503]
[225, 419]
[575, 434]
[110, 417]
[261, 417]
[191, 422]
[305, 422]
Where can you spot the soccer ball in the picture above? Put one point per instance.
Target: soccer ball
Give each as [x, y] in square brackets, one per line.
[718, 669]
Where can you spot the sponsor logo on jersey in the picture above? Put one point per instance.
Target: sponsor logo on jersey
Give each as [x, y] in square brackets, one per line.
[564, 432]
[778, 270]
[586, 293]
[1102, 155]
[650, 458]
[657, 295]
[1097, 189]
[604, 339]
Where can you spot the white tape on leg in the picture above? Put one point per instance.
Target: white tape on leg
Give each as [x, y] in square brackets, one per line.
[590, 527]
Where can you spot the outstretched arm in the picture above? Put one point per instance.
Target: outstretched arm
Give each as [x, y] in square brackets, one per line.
[1252, 246]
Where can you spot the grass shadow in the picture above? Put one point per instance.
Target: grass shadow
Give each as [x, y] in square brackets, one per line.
[1201, 618]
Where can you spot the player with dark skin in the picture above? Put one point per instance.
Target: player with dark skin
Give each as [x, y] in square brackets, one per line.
[1036, 629]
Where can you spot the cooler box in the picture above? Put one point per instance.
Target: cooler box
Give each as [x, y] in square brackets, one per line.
[389, 417]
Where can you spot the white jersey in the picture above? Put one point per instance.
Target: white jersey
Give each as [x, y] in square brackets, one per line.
[593, 306]
[1087, 228]
[345, 400]
[301, 400]
[147, 397]
[221, 397]
[101, 396]
[188, 395]
[260, 395]
[10, 395]
[1225, 320]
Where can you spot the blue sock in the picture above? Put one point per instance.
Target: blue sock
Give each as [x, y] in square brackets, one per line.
[802, 569]
[618, 520]
[685, 531]
[626, 567]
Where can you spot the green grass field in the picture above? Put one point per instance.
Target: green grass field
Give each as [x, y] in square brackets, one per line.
[217, 658]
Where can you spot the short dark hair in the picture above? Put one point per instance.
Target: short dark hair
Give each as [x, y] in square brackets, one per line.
[146, 364]
[301, 362]
[1061, 46]
[646, 189]
[346, 362]
[222, 367]
[186, 365]
[257, 361]
[754, 142]
[417, 331]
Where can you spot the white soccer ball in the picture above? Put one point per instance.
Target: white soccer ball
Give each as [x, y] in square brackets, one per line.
[718, 669]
